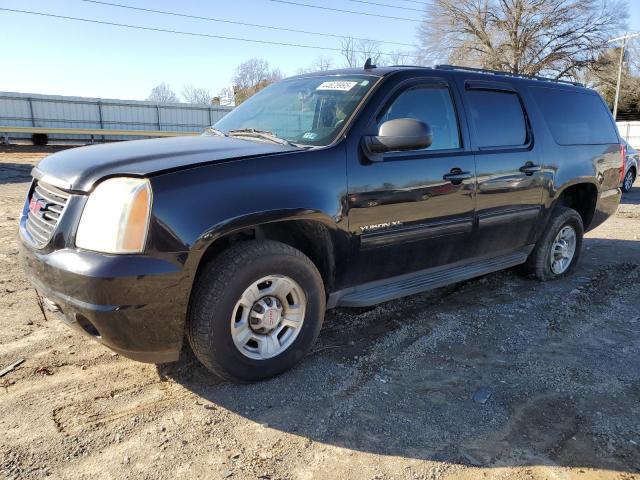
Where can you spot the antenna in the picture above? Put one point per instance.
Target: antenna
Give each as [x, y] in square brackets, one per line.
[368, 65]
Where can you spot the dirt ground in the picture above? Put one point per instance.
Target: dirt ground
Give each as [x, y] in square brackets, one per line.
[385, 394]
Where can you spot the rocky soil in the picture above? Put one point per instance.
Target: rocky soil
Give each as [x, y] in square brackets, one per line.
[499, 377]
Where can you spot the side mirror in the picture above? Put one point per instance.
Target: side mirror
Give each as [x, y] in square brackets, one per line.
[400, 135]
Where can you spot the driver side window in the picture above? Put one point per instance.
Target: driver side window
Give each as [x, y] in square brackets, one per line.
[431, 104]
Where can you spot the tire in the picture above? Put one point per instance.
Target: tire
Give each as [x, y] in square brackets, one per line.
[627, 182]
[539, 263]
[219, 306]
[40, 139]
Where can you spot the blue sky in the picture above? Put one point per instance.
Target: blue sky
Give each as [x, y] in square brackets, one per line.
[52, 56]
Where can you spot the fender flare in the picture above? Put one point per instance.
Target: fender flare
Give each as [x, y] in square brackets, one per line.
[336, 237]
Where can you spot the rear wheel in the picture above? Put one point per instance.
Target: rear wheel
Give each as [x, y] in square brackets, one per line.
[256, 310]
[558, 250]
[629, 178]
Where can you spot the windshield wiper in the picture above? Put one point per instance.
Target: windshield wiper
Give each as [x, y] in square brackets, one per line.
[262, 134]
[215, 131]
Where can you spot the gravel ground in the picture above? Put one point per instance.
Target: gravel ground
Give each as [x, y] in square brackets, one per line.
[385, 394]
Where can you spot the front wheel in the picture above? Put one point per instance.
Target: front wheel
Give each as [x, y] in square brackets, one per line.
[558, 250]
[256, 310]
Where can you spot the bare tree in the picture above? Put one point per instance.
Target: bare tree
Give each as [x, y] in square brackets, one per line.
[603, 75]
[369, 49]
[348, 51]
[398, 57]
[197, 95]
[252, 76]
[320, 64]
[162, 94]
[553, 37]
[253, 72]
[356, 52]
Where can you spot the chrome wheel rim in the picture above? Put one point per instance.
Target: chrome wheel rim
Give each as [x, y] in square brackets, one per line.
[563, 250]
[628, 181]
[268, 317]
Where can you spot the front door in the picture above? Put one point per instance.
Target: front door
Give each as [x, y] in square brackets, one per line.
[413, 210]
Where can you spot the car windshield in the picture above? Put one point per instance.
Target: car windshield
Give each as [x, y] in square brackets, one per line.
[303, 111]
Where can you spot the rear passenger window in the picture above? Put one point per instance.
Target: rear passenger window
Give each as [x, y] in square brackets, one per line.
[575, 118]
[431, 104]
[498, 118]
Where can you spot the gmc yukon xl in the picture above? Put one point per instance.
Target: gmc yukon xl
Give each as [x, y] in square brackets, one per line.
[337, 189]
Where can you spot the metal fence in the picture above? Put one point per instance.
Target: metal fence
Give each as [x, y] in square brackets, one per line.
[630, 131]
[54, 111]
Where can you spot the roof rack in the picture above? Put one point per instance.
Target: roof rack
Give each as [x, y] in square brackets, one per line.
[408, 66]
[508, 74]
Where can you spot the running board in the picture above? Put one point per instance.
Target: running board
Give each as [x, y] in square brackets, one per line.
[384, 290]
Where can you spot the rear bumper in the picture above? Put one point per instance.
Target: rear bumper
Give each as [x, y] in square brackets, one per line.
[135, 305]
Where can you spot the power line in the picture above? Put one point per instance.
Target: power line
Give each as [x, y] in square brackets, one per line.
[387, 5]
[308, 5]
[179, 32]
[416, 1]
[233, 22]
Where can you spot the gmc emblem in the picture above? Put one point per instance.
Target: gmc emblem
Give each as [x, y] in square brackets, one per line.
[36, 205]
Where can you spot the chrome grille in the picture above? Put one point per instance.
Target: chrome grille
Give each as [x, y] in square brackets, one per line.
[46, 205]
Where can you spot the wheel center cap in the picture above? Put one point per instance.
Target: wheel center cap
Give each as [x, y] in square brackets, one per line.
[271, 318]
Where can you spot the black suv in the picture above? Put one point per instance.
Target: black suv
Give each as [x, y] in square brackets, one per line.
[345, 188]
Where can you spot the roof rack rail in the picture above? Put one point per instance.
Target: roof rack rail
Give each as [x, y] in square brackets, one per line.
[408, 66]
[508, 74]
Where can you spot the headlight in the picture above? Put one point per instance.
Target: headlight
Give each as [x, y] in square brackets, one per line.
[116, 216]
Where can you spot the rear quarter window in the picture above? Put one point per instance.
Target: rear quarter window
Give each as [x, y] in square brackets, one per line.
[575, 118]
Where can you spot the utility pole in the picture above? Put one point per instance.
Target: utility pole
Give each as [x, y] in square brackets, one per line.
[625, 39]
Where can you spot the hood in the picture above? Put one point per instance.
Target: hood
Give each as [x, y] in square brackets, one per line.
[79, 168]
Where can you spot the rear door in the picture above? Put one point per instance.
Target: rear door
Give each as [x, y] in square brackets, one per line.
[508, 161]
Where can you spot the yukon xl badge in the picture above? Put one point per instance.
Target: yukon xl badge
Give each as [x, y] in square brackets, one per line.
[379, 226]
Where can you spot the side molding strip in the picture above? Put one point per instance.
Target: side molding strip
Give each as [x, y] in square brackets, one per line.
[509, 216]
[416, 232]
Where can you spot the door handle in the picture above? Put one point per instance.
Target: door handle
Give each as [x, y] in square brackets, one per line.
[456, 176]
[529, 168]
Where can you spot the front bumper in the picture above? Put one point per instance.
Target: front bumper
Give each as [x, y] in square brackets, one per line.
[134, 304]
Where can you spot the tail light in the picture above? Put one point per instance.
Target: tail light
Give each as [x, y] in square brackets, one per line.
[623, 159]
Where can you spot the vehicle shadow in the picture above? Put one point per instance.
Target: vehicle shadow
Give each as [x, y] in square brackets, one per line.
[632, 197]
[399, 379]
[15, 172]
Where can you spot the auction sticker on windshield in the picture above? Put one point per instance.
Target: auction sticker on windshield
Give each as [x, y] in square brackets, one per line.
[338, 86]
